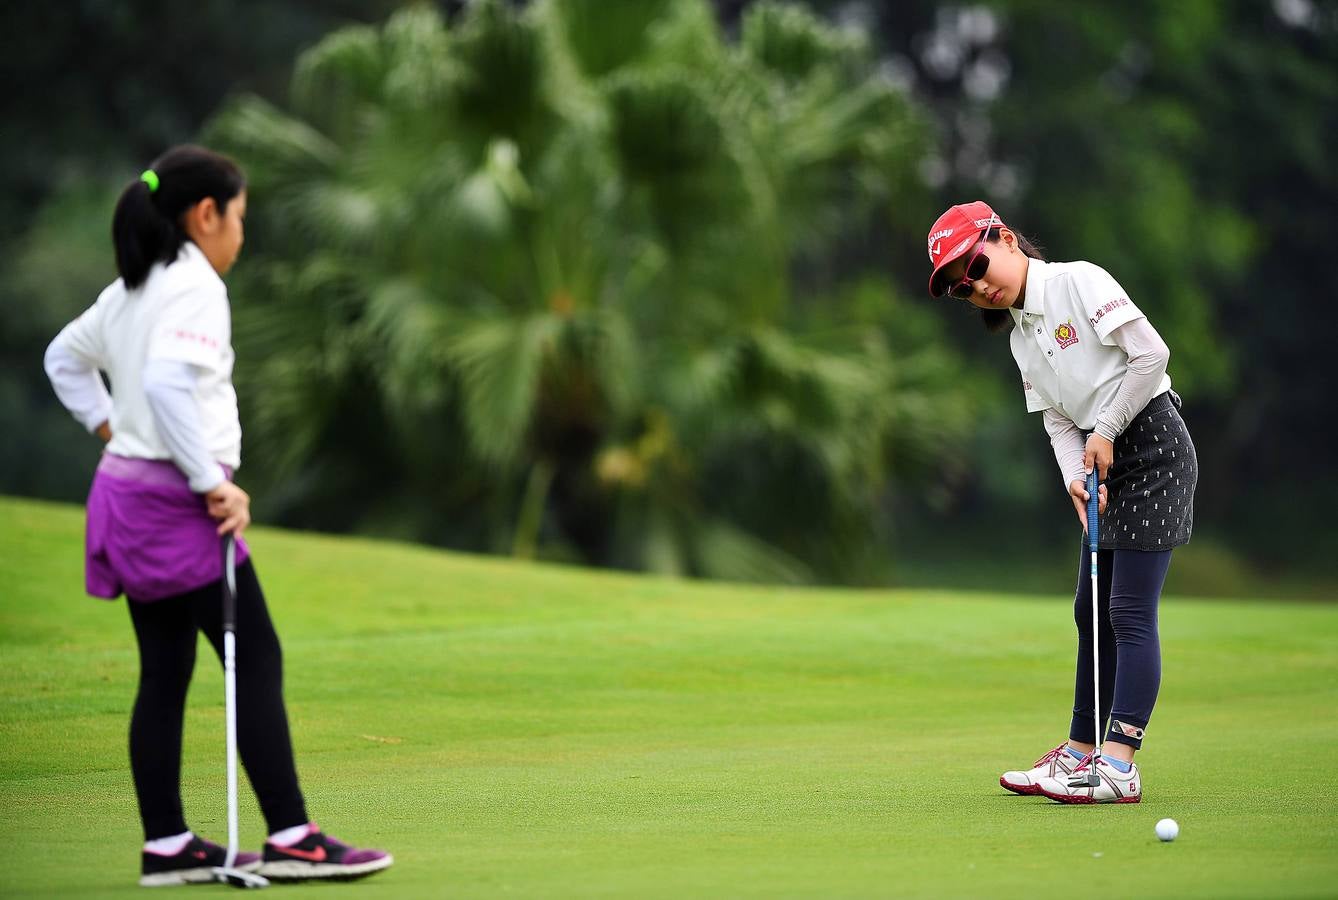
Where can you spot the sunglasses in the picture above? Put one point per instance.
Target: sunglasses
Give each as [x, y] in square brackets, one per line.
[976, 268]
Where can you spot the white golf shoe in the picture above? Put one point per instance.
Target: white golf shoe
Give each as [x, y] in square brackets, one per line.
[1058, 763]
[1115, 786]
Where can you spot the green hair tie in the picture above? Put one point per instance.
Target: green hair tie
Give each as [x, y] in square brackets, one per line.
[149, 177]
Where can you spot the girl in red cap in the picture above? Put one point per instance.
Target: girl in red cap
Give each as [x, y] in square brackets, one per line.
[1095, 368]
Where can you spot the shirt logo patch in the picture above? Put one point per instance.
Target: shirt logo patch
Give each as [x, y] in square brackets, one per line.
[1066, 335]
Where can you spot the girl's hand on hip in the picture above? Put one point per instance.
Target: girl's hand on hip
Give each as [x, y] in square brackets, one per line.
[231, 506]
[1078, 493]
[1100, 453]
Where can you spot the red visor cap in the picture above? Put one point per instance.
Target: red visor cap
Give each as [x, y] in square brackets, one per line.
[957, 231]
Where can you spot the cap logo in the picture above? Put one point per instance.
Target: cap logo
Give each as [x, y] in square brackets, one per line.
[962, 246]
[936, 241]
[988, 223]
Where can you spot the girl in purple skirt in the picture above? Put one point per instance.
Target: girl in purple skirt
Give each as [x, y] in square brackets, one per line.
[162, 496]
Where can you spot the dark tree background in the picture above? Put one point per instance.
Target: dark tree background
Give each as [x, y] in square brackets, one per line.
[1185, 147]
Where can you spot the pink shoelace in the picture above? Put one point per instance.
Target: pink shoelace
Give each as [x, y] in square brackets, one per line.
[1086, 762]
[1052, 757]
[1080, 769]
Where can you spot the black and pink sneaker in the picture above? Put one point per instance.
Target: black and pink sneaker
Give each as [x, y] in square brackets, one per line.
[193, 865]
[320, 856]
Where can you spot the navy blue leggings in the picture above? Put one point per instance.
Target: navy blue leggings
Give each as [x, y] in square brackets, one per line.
[1130, 584]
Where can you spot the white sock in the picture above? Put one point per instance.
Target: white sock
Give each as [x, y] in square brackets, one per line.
[289, 836]
[168, 846]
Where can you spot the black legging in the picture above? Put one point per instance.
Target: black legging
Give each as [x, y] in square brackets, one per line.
[166, 633]
[1129, 583]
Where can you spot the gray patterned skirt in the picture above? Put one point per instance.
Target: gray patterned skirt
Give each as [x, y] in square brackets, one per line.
[1150, 487]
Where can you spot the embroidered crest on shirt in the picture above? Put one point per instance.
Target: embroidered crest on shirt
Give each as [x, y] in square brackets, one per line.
[1066, 335]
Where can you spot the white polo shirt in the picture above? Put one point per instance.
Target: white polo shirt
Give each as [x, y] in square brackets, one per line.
[1062, 341]
[181, 314]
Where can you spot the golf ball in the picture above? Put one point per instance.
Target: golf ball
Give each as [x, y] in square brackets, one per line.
[1167, 829]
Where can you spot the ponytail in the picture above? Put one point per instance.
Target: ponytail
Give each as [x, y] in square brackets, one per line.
[146, 227]
[998, 320]
[141, 234]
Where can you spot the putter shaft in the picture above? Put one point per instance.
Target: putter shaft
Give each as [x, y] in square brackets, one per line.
[1093, 544]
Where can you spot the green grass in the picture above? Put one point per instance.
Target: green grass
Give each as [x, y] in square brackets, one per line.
[524, 730]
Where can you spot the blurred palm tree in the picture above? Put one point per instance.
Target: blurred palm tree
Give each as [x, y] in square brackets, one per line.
[552, 282]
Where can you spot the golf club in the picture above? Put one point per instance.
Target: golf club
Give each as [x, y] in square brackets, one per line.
[1093, 508]
[226, 873]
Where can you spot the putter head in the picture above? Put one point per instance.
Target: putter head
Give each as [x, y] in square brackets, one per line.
[1086, 775]
[239, 879]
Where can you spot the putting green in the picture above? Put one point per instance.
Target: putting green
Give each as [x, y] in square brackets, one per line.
[542, 731]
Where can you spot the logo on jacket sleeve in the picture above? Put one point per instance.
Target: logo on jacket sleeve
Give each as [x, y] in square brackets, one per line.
[1066, 335]
[1106, 308]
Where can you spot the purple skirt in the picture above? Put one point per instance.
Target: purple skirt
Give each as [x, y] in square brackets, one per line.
[149, 536]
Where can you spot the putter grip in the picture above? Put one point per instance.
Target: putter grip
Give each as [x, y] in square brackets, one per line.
[1093, 504]
[229, 582]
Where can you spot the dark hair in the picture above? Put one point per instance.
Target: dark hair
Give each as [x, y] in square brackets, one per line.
[146, 226]
[999, 320]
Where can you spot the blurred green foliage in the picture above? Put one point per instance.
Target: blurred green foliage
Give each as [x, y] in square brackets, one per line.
[528, 280]
[1183, 147]
[639, 284]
